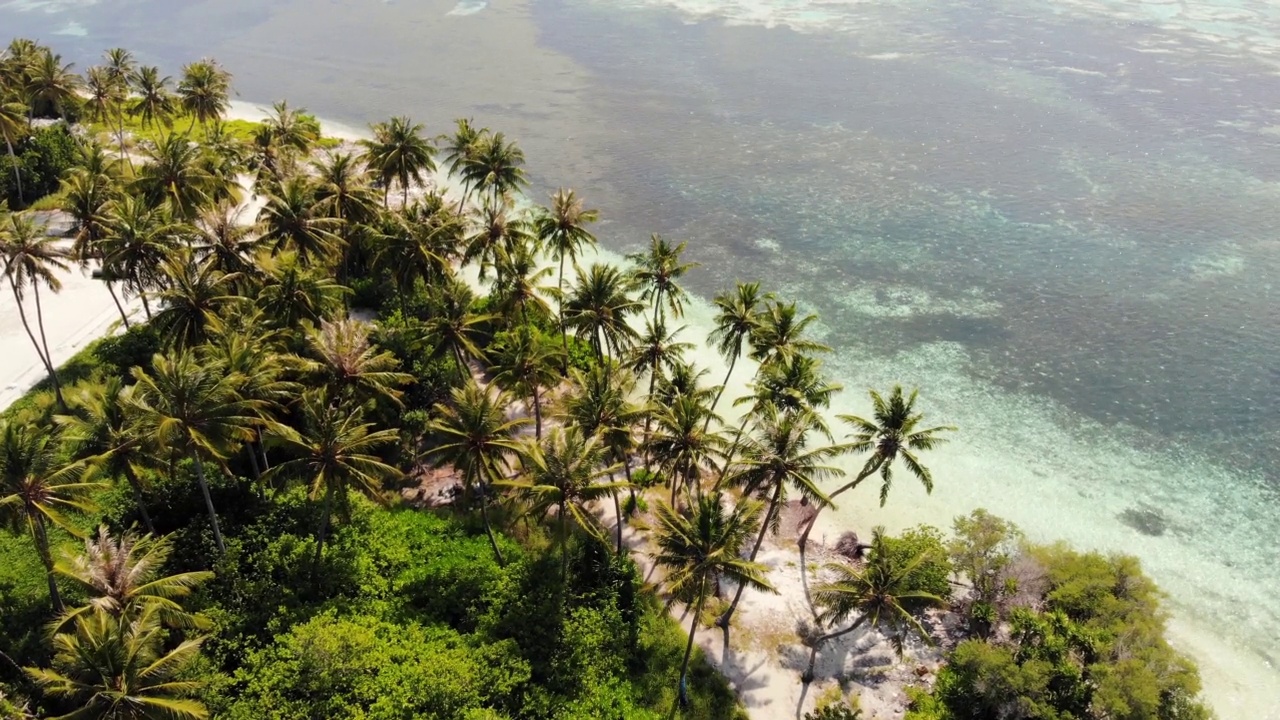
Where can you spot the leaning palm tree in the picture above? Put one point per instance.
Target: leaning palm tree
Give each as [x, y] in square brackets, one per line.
[398, 152]
[175, 172]
[153, 103]
[116, 669]
[701, 546]
[599, 307]
[680, 446]
[893, 434]
[339, 356]
[737, 318]
[524, 363]
[658, 271]
[32, 259]
[13, 127]
[193, 298]
[190, 407]
[103, 95]
[86, 196]
[334, 453]
[564, 471]
[121, 577]
[204, 91]
[562, 232]
[292, 221]
[479, 443]
[37, 488]
[779, 458]
[495, 167]
[879, 595]
[52, 85]
[139, 240]
[655, 351]
[100, 431]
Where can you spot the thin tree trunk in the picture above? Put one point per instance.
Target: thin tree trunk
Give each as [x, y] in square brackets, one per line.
[807, 677]
[208, 502]
[564, 546]
[537, 413]
[617, 511]
[42, 546]
[648, 416]
[728, 457]
[22, 315]
[146, 306]
[488, 529]
[120, 139]
[139, 498]
[53, 372]
[262, 449]
[732, 361]
[323, 531]
[17, 176]
[688, 649]
[803, 540]
[123, 315]
[564, 335]
[723, 620]
[253, 462]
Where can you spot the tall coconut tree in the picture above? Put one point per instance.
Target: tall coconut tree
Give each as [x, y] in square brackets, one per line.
[87, 197]
[737, 318]
[103, 94]
[13, 127]
[777, 459]
[52, 85]
[895, 433]
[701, 546]
[496, 230]
[121, 66]
[342, 193]
[204, 92]
[524, 363]
[192, 300]
[460, 148]
[175, 172]
[340, 356]
[37, 488]
[334, 453]
[599, 307]
[32, 259]
[153, 102]
[193, 408]
[479, 442]
[399, 152]
[112, 668]
[100, 432]
[121, 577]
[454, 328]
[680, 446]
[522, 282]
[496, 166]
[562, 232]
[680, 379]
[138, 241]
[879, 595]
[565, 471]
[408, 252]
[781, 333]
[656, 350]
[291, 293]
[658, 271]
[292, 221]
[284, 135]
[226, 244]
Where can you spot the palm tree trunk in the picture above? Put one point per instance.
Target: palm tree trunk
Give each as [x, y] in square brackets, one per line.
[323, 530]
[42, 547]
[803, 540]
[723, 620]
[564, 335]
[254, 466]
[17, 176]
[688, 649]
[262, 449]
[807, 676]
[44, 340]
[123, 315]
[737, 440]
[617, 512]
[732, 361]
[139, 498]
[564, 546]
[208, 502]
[537, 413]
[22, 315]
[146, 306]
[648, 416]
[488, 529]
[120, 139]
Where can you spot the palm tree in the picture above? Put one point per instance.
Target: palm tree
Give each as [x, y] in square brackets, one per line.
[563, 471]
[153, 103]
[562, 232]
[284, 135]
[495, 166]
[36, 488]
[195, 408]
[658, 271]
[656, 350]
[292, 221]
[406, 252]
[101, 433]
[682, 378]
[599, 306]
[193, 298]
[461, 148]
[120, 67]
[524, 363]
[13, 126]
[121, 577]
[114, 669]
[879, 594]
[894, 434]
[175, 171]
[498, 230]
[780, 334]
[204, 92]
[737, 318]
[701, 546]
[399, 152]
[454, 327]
[342, 193]
[52, 85]
[342, 359]
[334, 450]
[292, 294]
[32, 259]
[103, 94]
[87, 197]
[779, 457]
[679, 444]
[479, 442]
[522, 281]
[224, 244]
[137, 243]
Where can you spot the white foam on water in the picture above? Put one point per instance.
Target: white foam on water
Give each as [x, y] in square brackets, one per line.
[468, 7]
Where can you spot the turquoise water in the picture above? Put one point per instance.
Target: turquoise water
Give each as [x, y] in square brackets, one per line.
[1059, 219]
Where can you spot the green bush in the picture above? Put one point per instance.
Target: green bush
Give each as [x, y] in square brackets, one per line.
[933, 574]
[42, 157]
[132, 348]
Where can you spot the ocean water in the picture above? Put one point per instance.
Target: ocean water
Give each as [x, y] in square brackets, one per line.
[1061, 220]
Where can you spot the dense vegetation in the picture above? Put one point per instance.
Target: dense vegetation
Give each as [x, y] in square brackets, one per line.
[254, 504]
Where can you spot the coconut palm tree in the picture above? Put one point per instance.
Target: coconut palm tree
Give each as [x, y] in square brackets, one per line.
[37, 488]
[192, 299]
[292, 294]
[224, 244]
[342, 194]
[405, 251]
[564, 471]
[103, 94]
[120, 67]
[679, 444]
[191, 407]
[292, 221]
[562, 232]
[454, 327]
[13, 127]
[340, 357]
[101, 433]
[121, 578]
[599, 307]
[399, 152]
[778, 458]
[204, 91]
[656, 349]
[479, 442]
[87, 197]
[683, 379]
[461, 147]
[496, 166]
[51, 85]
[497, 231]
[115, 669]
[153, 103]
[781, 334]
[175, 171]
[701, 546]
[879, 595]
[285, 135]
[31, 260]
[334, 451]
[138, 241]
[737, 318]
[524, 362]
[658, 271]
[522, 284]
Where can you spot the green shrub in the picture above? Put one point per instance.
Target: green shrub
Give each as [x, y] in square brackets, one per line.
[132, 348]
[933, 574]
[42, 158]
